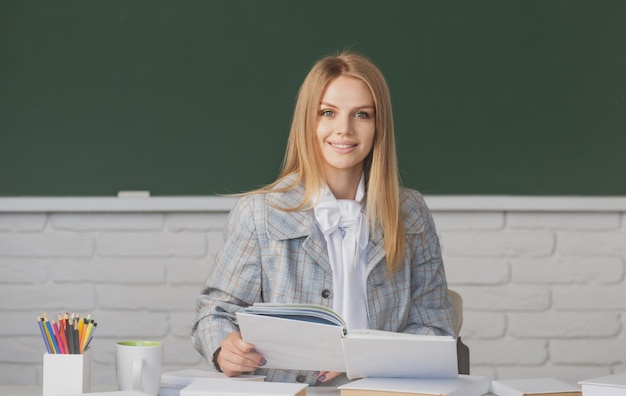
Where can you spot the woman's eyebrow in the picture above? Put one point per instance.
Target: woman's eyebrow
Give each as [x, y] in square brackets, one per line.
[365, 106]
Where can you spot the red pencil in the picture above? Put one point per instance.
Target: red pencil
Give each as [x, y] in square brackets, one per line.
[55, 329]
[62, 331]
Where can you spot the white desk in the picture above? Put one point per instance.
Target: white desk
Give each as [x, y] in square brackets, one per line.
[36, 390]
[28, 390]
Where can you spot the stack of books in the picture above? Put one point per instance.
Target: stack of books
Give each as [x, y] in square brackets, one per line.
[464, 385]
[243, 388]
[610, 385]
[173, 382]
[534, 387]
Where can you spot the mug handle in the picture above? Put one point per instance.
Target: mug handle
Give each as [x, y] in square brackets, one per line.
[137, 377]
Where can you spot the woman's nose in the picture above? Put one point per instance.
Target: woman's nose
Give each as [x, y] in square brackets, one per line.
[343, 126]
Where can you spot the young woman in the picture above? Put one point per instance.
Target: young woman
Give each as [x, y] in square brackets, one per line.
[335, 229]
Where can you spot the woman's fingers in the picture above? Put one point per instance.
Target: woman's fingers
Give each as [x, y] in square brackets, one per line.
[237, 356]
[324, 376]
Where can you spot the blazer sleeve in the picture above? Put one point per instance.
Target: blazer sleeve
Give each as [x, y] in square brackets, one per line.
[233, 284]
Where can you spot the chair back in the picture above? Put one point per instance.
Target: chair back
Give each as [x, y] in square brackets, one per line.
[463, 353]
[457, 310]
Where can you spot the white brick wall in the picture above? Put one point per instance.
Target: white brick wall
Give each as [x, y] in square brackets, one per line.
[543, 281]
[544, 290]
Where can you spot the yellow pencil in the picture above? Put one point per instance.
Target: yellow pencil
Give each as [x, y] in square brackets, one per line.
[80, 324]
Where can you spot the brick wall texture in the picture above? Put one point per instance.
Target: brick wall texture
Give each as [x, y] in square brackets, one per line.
[544, 292]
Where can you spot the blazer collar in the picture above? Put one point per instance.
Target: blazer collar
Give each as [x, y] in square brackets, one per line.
[296, 224]
[283, 225]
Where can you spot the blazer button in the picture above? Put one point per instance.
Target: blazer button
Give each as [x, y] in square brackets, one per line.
[301, 378]
[325, 293]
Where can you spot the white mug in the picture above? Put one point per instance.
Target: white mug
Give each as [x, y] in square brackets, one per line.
[138, 366]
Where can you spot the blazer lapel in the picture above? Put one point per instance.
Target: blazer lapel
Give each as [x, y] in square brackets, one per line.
[413, 221]
[284, 225]
[376, 250]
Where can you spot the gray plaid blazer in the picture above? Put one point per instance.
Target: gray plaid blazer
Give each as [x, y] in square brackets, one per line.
[270, 255]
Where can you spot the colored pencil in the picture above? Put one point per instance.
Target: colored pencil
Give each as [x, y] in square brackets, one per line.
[86, 335]
[43, 334]
[57, 336]
[76, 338]
[91, 335]
[72, 334]
[53, 343]
[63, 333]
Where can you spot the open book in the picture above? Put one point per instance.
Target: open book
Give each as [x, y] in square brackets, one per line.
[312, 337]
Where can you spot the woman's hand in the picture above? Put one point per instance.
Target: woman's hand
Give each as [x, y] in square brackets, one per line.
[237, 356]
[324, 376]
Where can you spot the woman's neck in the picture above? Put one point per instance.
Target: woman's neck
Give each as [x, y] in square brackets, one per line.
[344, 185]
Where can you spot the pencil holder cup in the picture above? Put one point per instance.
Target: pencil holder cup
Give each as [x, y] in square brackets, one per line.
[66, 374]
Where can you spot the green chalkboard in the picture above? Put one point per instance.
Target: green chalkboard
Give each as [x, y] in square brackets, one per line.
[195, 97]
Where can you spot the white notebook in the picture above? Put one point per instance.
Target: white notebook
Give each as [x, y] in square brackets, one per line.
[242, 388]
[610, 385]
[533, 386]
[464, 385]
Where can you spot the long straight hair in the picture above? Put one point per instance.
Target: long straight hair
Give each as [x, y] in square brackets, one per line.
[304, 161]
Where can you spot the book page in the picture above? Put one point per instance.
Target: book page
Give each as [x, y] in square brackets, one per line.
[379, 334]
[294, 344]
[308, 312]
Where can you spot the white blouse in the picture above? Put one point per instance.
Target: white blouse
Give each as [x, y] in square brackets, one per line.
[344, 225]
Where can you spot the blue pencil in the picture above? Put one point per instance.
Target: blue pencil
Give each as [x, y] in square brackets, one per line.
[54, 341]
[43, 334]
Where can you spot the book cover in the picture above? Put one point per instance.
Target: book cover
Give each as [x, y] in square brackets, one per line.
[310, 337]
[464, 385]
[404, 355]
[205, 387]
[534, 387]
[610, 385]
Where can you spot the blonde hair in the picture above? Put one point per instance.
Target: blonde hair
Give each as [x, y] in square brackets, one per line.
[302, 158]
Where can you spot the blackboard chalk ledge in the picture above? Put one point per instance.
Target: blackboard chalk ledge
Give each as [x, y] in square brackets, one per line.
[133, 194]
[461, 203]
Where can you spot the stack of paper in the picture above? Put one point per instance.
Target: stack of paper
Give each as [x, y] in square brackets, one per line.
[534, 387]
[242, 388]
[610, 385]
[464, 385]
[172, 382]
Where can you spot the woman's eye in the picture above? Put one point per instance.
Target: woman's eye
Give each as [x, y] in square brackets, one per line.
[327, 113]
[362, 114]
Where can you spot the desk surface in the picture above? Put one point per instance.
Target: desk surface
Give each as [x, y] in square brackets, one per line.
[28, 390]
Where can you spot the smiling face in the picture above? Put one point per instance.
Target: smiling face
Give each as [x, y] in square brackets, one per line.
[345, 128]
